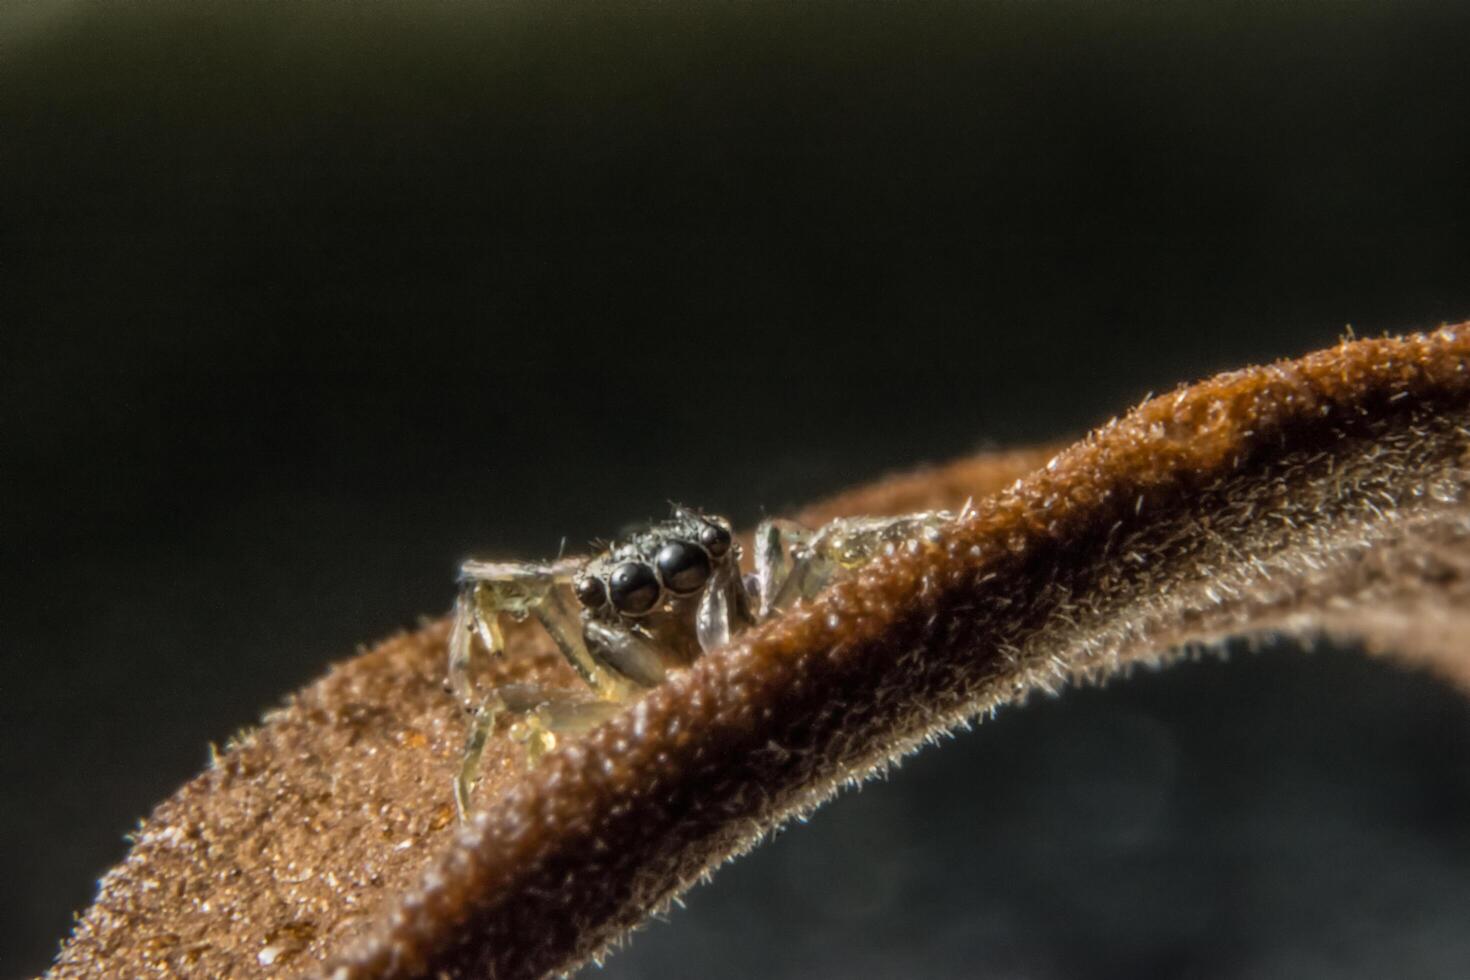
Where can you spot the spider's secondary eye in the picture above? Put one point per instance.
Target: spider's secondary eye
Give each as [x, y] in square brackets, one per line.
[590, 592]
[633, 587]
[716, 540]
[684, 567]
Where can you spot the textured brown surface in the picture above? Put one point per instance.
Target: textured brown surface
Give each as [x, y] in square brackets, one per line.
[1325, 493]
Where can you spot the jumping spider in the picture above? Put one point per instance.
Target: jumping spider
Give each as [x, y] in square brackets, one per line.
[644, 605]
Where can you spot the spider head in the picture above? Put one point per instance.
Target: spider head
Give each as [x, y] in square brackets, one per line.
[668, 561]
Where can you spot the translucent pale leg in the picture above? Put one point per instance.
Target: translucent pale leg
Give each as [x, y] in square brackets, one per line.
[488, 591]
[520, 589]
[628, 653]
[777, 542]
[481, 725]
[462, 645]
[794, 562]
[546, 713]
[723, 609]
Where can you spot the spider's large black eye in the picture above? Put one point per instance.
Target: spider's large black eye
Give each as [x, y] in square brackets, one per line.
[590, 592]
[633, 587]
[716, 540]
[683, 566]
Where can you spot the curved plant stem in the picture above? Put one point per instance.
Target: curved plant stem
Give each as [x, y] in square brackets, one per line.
[1327, 493]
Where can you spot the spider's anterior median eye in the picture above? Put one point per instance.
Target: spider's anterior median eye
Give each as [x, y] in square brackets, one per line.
[633, 587]
[590, 592]
[683, 566]
[716, 540]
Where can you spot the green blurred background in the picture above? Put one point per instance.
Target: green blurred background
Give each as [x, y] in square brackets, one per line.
[301, 303]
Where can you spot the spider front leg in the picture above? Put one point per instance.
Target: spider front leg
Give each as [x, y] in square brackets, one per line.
[489, 591]
[795, 562]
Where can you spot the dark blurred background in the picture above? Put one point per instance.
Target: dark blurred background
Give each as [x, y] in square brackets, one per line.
[302, 303]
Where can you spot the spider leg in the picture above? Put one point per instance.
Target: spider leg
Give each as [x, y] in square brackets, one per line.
[462, 647]
[481, 725]
[520, 589]
[538, 729]
[724, 608]
[545, 714]
[793, 562]
[634, 657]
[564, 623]
[781, 566]
[488, 592]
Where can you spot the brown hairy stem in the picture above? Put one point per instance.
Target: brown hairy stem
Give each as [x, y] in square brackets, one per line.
[1323, 494]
